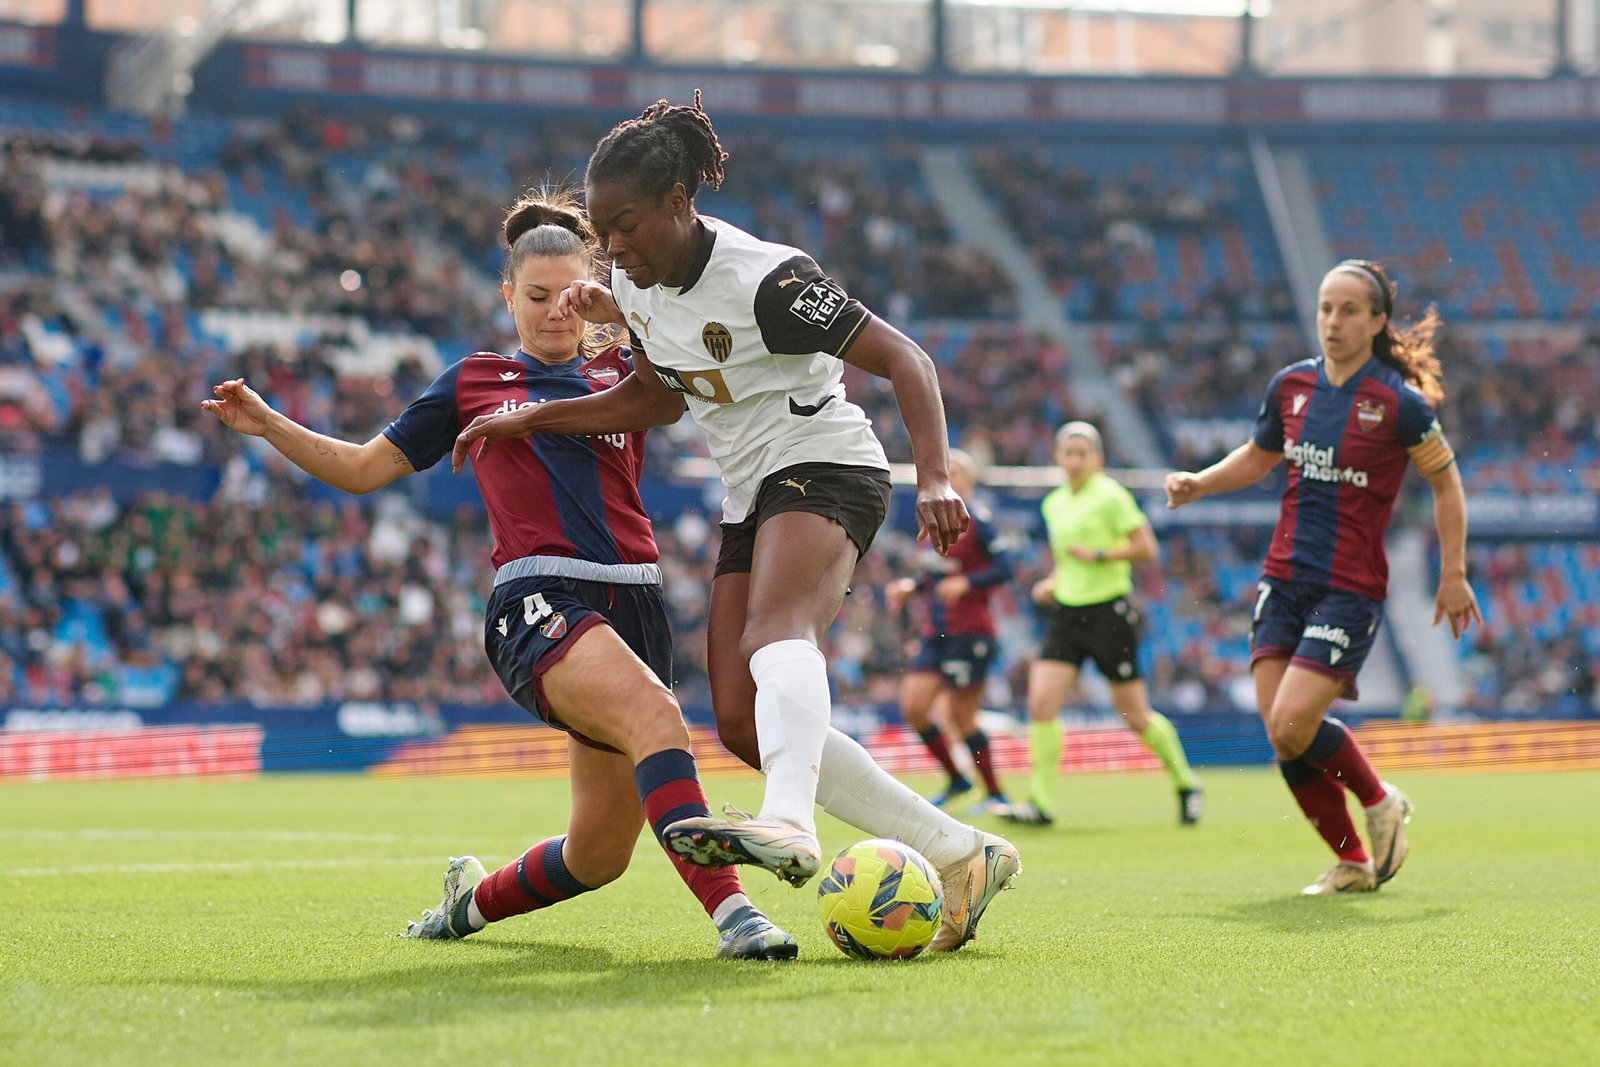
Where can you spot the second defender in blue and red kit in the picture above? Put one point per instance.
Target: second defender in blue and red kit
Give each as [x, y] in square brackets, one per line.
[1347, 448]
[1347, 424]
[957, 645]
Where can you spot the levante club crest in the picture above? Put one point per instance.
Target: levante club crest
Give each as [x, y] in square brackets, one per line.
[1369, 415]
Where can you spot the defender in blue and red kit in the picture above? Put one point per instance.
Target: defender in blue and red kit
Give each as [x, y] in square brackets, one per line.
[550, 499]
[1347, 424]
[957, 645]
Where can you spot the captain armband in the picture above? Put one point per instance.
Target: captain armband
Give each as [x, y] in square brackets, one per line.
[1433, 453]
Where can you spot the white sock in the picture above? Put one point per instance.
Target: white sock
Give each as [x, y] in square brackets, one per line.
[792, 709]
[719, 915]
[854, 789]
[475, 917]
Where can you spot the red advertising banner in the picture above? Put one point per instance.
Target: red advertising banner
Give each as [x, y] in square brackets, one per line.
[144, 752]
[1488, 746]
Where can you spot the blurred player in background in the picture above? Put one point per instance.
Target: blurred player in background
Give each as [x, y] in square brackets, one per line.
[1347, 422]
[576, 626]
[957, 645]
[1095, 533]
[753, 337]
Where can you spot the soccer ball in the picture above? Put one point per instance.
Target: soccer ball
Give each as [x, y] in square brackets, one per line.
[880, 900]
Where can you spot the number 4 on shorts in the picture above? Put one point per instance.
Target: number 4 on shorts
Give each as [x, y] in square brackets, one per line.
[535, 607]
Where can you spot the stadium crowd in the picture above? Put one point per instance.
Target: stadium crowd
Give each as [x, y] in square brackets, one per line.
[259, 595]
[390, 223]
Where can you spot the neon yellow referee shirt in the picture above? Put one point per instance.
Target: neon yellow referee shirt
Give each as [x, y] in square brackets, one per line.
[1102, 514]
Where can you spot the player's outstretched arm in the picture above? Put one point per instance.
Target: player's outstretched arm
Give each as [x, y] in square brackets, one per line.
[883, 350]
[1455, 600]
[351, 467]
[1244, 466]
[639, 402]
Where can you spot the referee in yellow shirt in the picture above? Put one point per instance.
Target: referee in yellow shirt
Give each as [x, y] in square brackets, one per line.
[1097, 533]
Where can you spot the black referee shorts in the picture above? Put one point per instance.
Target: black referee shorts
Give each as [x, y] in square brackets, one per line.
[856, 498]
[1107, 633]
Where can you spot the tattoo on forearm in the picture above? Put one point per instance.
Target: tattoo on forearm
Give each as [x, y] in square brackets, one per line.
[325, 447]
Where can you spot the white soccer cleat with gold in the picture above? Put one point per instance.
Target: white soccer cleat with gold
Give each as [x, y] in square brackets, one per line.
[1344, 877]
[969, 885]
[707, 841]
[1386, 830]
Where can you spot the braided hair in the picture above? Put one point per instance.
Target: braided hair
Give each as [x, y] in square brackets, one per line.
[665, 146]
[1408, 351]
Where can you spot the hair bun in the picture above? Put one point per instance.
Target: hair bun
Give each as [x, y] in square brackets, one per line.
[546, 208]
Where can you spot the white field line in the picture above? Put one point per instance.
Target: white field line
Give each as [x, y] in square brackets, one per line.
[290, 836]
[208, 868]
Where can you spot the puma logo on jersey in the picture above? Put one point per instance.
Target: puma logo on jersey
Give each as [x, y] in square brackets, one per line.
[800, 486]
[1298, 403]
[510, 375]
[793, 279]
[644, 324]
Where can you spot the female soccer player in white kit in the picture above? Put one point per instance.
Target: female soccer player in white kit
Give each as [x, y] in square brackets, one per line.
[753, 338]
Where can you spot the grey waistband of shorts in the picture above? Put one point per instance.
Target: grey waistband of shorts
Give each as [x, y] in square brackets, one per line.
[580, 569]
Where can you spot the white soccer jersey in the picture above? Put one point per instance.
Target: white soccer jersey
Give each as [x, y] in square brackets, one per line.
[754, 341]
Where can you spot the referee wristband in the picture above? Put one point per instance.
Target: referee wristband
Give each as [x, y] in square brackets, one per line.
[1100, 554]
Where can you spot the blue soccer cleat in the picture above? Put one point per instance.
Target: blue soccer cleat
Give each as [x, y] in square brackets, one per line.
[958, 788]
[755, 938]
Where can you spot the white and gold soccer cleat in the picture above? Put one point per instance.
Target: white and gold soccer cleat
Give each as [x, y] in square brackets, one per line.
[1386, 830]
[969, 885]
[707, 841]
[1344, 877]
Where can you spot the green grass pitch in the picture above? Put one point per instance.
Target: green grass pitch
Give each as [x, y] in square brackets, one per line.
[224, 922]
